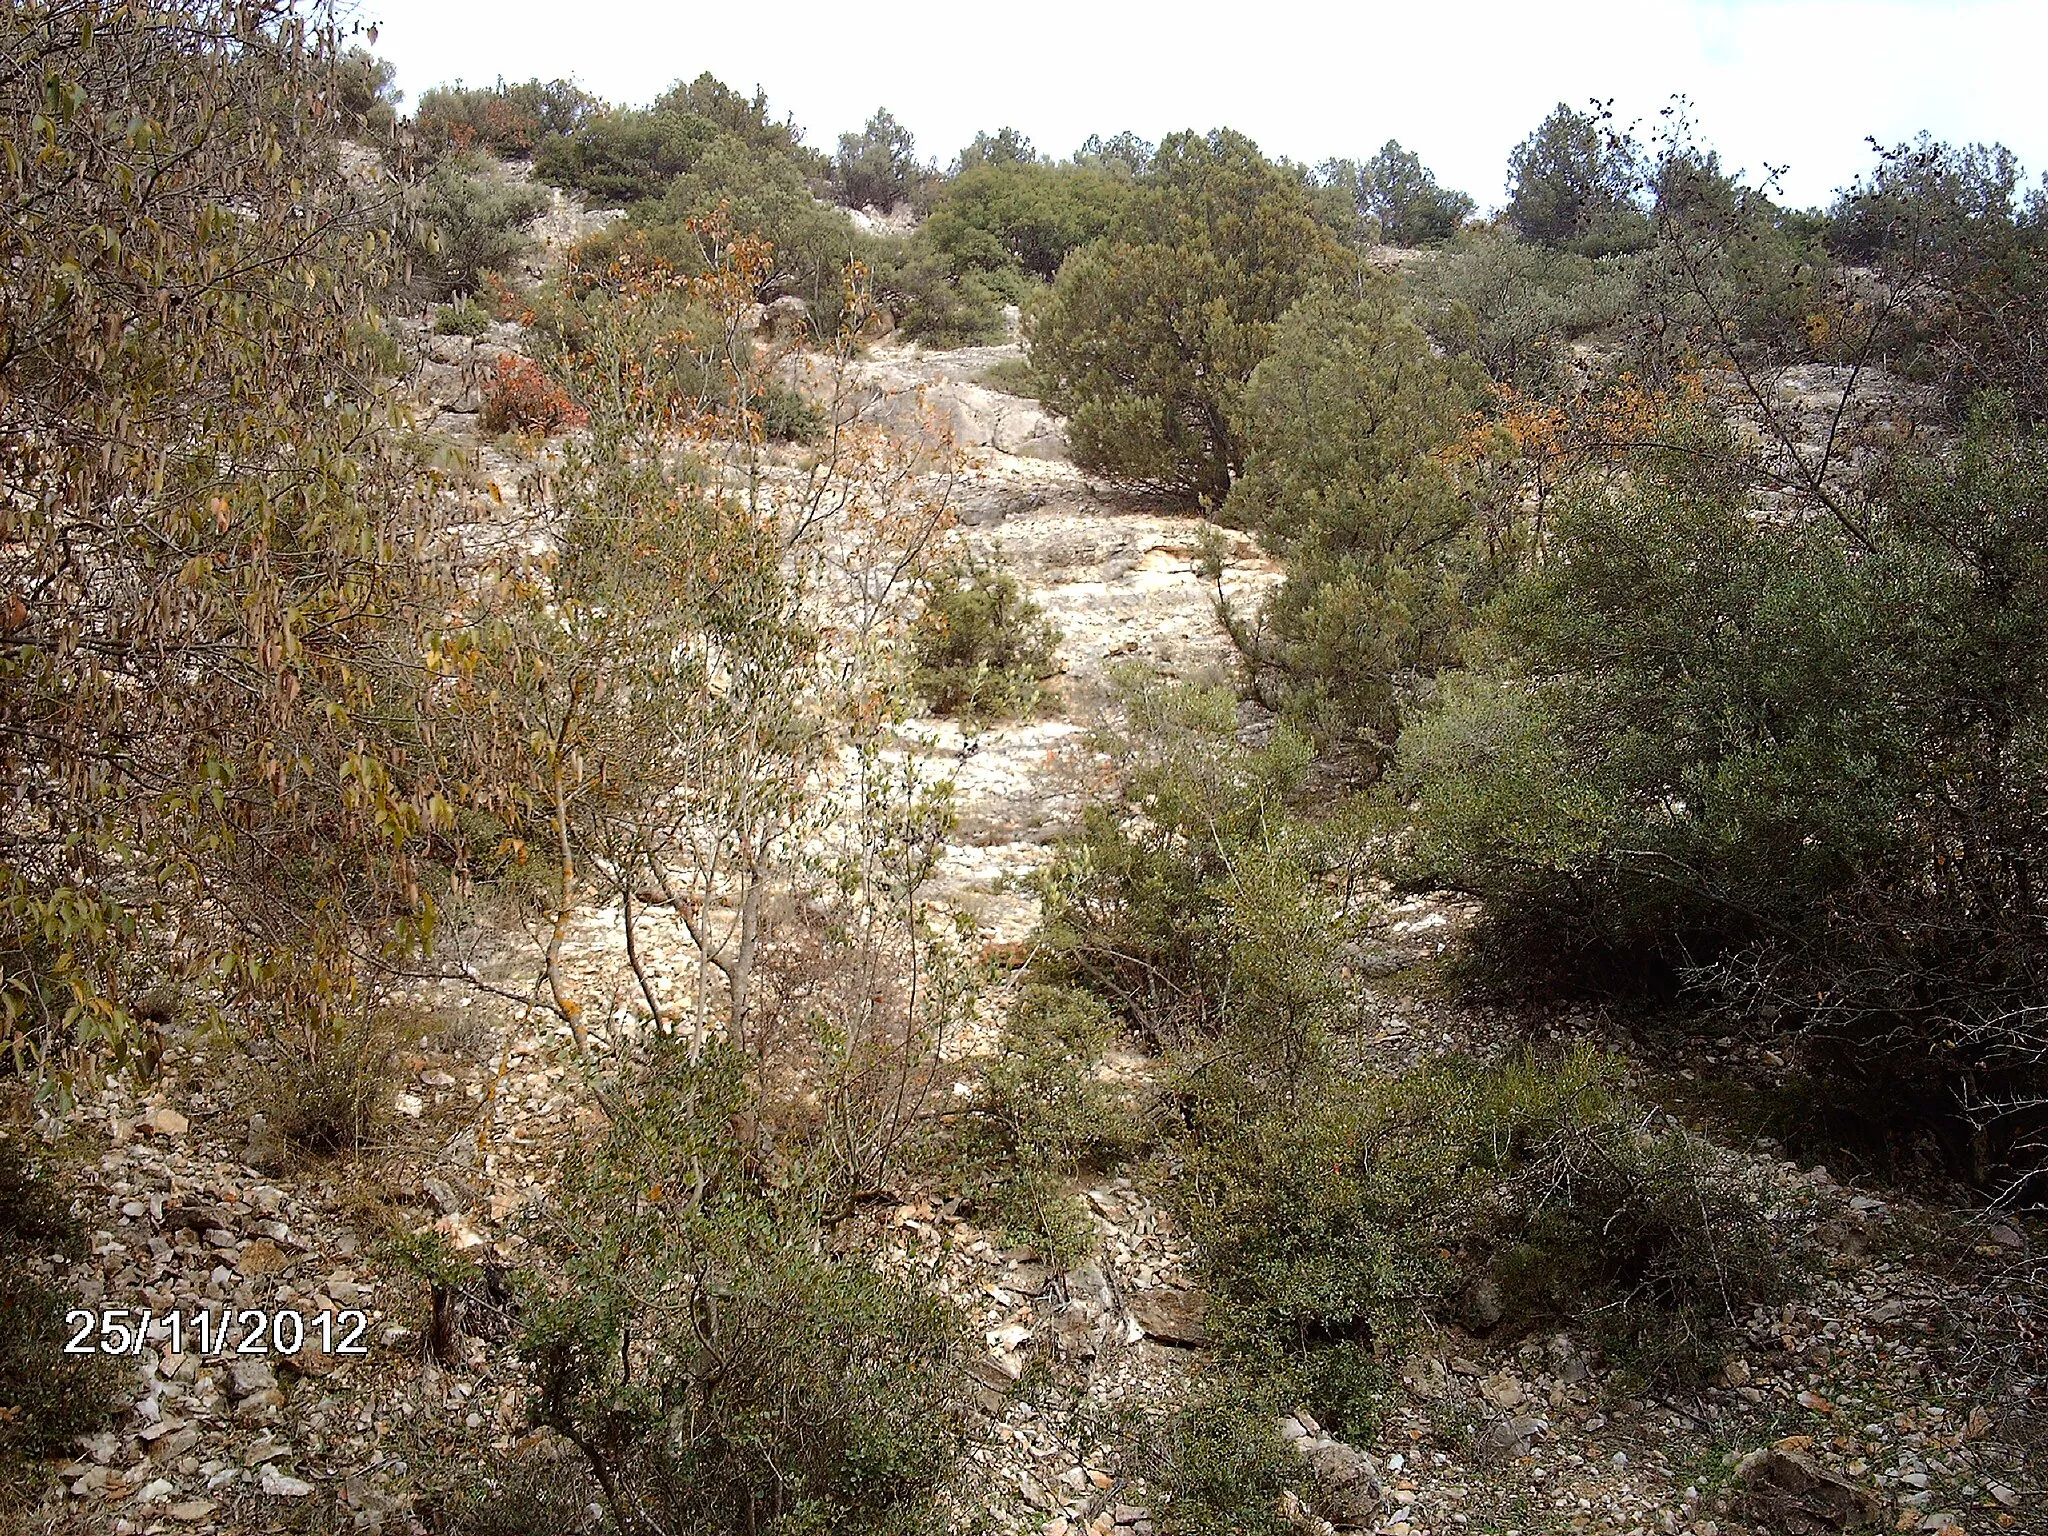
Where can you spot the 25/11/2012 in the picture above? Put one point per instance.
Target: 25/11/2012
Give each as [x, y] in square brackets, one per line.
[251, 1331]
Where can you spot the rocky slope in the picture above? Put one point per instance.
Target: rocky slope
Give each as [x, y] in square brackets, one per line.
[1865, 1402]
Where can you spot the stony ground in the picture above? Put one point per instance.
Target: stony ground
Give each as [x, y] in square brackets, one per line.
[1888, 1394]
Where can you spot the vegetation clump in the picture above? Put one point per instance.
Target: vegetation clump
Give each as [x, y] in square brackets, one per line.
[983, 648]
[47, 1398]
[717, 1368]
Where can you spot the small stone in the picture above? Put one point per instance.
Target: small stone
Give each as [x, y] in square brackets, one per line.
[1173, 1316]
[408, 1104]
[1503, 1391]
[1736, 1372]
[262, 1257]
[1483, 1306]
[2007, 1497]
[191, 1511]
[282, 1484]
[166, 1121]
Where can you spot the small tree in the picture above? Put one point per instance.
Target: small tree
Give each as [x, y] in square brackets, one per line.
[1401, 195]
[1571, 185]
[1355, 425]
[877, 167]
[1148, 336]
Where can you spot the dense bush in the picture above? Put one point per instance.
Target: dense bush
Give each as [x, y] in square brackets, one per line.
[1009, 220]
[983, 647]
[520, 397]
[1353, 422]
[917, 290]
[720, 1371]
[750, 191]
[622, 156]
[510, 121]
[1945, 227]
[1221, 1463]
[1796, 761]
[1149, 335]
[1192, 903]
[326, 1087]
[1040, 1120]
[47, 1398]
[471, 222]
[1328, 1228]
[1514, 307]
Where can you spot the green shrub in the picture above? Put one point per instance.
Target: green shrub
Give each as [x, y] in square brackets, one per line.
[1400, 195]
[718, 1367]
[1351, 422]
[1944, 223]
[1010, 220]
[326, 1088]
[47, 1398]
[1329, 1224]
[929, 304]
[1194, 904]
[467, 318]
[471, 222]
[510, 121]
[877, 167]
[1514, 307]
[1221, 1464]
[1042, 1119]
[1796, 763]
[1149, 334]
[1646, 1238]
[541, 1493]
[983, 648]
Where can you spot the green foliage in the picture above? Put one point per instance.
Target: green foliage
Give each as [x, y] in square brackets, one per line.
[1571, 185]
[1400, 195]
[1944, 223]
[1798, 761]
[622, 156]
[1011, 220]
[1194, 904]
[510, 121]
[326, 1086]
[753, 191]
[47, 1398]
[1327, 1227]
[1351, 422]
[364, 99]
[1006, 146]
[1149, 335]
[467, 318]
[1648, 1239]
[983, 648]
[511, 1494]
[877, 167]
[717, 1368]
[1222, 1464]
[1042, 1119]
[212, 735]
[929, 302]
[1513, 307]
[471, 221]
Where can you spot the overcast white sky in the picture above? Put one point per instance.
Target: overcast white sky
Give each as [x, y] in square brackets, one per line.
[1788, 82]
